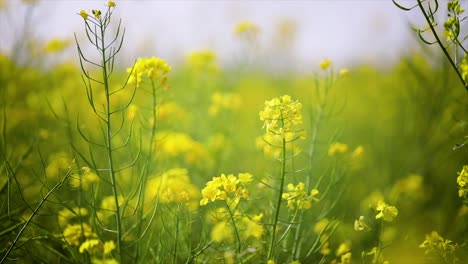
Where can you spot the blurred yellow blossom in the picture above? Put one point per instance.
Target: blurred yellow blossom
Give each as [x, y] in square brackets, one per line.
[74, 233]
[88, 245]
[462, 181]
[343, 248]
[325, 64]
[251, 228]
[96, 13]
[153, 68]
[84, 14]
[386, 212]
[222, 231]
[203, 61]
[246, 28]
[173, 186]
[436, 244]
[346, 258]
[337, 148]
[360, 224]
[111, 4]
[344, 72]
[321, 225]
[56, 45]
[228, 101]
[67, 216]
[298, 198]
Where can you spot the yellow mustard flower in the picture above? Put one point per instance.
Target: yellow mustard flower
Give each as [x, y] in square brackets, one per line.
[386, 212]
[56, 45]
[222, 231]
[298, 198]
[153, 68]
[219, 188]
[111, 4]
[343, 248]
[337, 148]
[281, 115]
[462, 181]
[74, 233]
[360, 224]
[325, 64]
[96, 13]
[346, 258]
[203, 61]
[246, 28]
[84, 14]
[108, 247]
[88, 245]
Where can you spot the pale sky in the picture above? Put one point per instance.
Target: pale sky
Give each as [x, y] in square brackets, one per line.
[345, 31]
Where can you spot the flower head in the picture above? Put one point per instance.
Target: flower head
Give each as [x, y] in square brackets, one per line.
[281, 115]
[111, 4]
[386, 212]
[84, 14]
[325, 64]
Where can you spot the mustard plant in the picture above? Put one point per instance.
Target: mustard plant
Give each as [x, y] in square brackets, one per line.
[97, 29]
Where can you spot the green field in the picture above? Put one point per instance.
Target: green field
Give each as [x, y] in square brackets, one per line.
[198, 163]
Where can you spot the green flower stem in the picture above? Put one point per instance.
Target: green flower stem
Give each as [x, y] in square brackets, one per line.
[271, 250]
[109, 142]
[379, 243]
[141, 198]
[174, 259]
[318, 120]
[236, 231]
[439, 42]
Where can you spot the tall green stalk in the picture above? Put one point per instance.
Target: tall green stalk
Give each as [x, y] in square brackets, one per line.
[271, 249]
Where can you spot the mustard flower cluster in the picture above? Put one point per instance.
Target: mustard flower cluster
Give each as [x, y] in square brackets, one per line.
[452, 24]
[96, 13]
[462, 181]
[175, 144]
[203, 61]
[228, 101]
[280, 115]
[360, 224]
[325, 64]
[219, 188]
[246, 28]
[386, 212]
[173, 186]
[153, 68]
[337, 148]
[67, 216]
[436, 244]
[100, 251]
[249, 226]
[298, 198]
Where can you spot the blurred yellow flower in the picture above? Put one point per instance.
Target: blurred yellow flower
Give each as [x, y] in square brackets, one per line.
[111, 4]
[88, 245]
[386, 212]
[337, 148]
[203, 61]
[246, 27]
[222, 231]
[56, 45]
[325, 64]
[297, 197]
[74, 233]
[228, 101]
[462, 181]
[108, 247]
[344, 72]
[360, 224]
[84, 14]
[96, 13]
[153, 68]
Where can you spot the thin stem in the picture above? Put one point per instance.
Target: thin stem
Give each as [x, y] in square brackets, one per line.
[439, 42]
[109, 146]
[174, 259]
[236, 231]
[278, 203]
